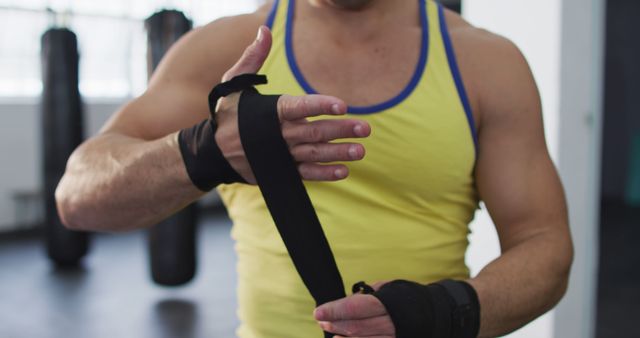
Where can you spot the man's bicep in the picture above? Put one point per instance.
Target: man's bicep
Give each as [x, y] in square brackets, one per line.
[515, 175]
[522, 194]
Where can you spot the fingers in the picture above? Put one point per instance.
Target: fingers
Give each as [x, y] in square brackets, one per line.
[369, 327]
[357, 316]
[350, 308]
[317, 172]
[253, 57]
[312, 147]
[328, 152]
[298, 107]
[325, 131]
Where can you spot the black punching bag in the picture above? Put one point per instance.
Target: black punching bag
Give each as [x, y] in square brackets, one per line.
[62, 132]
[172, 243]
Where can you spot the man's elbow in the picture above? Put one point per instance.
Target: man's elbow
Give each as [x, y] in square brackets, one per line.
[71, 210]
[84, 211]
[77, 210]
[563, 270]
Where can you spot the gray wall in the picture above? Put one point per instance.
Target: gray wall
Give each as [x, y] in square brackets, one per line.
[20, 155]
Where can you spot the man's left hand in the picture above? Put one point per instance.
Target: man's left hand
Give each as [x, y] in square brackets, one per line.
[361, 316]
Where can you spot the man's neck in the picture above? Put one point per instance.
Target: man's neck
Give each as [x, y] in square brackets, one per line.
[364, 22]
[350, 5]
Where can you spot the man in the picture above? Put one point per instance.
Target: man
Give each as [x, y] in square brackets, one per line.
[448, 114]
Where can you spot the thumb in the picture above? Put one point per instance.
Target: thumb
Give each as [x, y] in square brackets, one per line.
[253, 57]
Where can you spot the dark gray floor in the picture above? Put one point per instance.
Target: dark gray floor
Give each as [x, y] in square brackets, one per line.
[113, 295]
[619, 273]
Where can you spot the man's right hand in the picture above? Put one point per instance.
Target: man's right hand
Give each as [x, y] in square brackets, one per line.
[310, 142]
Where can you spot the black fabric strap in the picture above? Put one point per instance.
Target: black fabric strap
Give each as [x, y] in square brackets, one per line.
[286, 197]
[447, 309]
[362, 288]
[237, 84]
[206, 165]
[466, 315]
[410, 307]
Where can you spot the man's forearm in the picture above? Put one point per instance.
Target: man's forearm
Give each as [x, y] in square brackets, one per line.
[115, 182]
[523, 283]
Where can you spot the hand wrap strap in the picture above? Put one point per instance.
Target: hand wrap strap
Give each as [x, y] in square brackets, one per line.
[286, 197]
[237, 84]
[206, 165]
[447, 309]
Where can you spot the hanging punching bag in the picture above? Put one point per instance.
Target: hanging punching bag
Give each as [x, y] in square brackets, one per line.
[62, 132]
[172, 243]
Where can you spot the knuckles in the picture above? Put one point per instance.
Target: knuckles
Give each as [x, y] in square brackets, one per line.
[297, 107]
[301, 104]
[314, 153]
[350, 309]
[313, 134]
[351, 328]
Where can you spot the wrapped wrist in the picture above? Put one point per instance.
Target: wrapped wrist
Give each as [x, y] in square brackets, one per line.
[206, 165]
[447, 309]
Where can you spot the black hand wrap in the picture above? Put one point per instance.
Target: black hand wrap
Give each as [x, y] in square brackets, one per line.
[447, 309]
[277, 176]
[206, 165]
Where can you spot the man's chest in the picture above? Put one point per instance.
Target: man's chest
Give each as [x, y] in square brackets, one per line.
[362, 74]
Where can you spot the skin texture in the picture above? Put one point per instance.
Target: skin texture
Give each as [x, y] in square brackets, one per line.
[132, 175]
[347, 4]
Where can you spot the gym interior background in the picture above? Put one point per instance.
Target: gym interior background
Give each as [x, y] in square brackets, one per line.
[584, 55]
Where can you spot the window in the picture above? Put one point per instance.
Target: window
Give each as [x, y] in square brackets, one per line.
[111, 40]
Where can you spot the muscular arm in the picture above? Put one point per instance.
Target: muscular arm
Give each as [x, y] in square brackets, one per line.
[118, 182]
[132, 174]
[521, 189]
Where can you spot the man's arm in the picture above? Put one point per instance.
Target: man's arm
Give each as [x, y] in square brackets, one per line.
[521, 189]
[132, 175]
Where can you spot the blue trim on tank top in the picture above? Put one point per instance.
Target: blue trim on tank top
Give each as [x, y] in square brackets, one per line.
[272, 14]
[413, 83]
[455, 71]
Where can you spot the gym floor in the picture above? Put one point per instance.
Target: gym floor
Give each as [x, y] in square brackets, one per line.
[112, 295]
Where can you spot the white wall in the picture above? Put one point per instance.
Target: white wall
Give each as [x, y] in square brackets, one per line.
[580, 133]
[535, 27]
[19, 143]
[20, 151]
[20, 157]
[562, 41]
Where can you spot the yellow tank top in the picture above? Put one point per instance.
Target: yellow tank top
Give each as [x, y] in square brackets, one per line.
[404, 211]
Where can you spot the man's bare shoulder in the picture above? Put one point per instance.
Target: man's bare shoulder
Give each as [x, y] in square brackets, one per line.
[238, 29]
[177, 91]
[461, 29]
[205, 53]
[491, 65]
